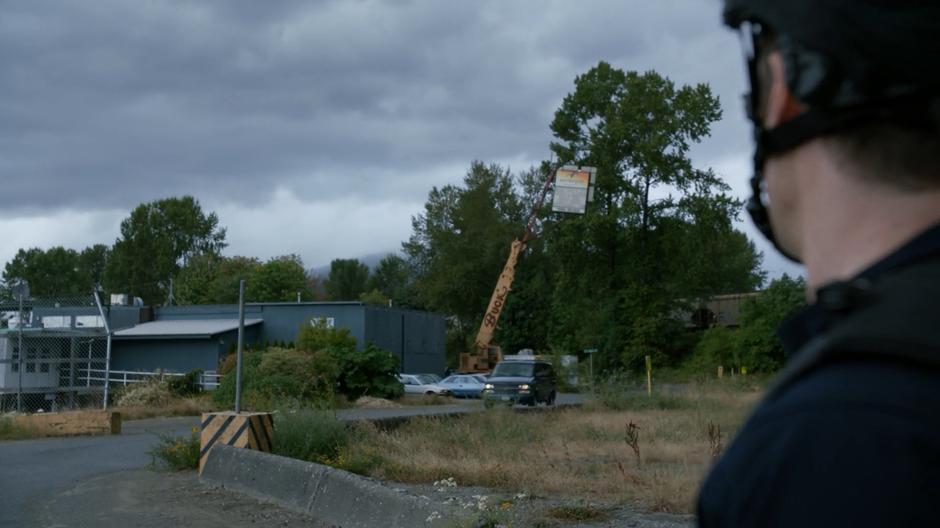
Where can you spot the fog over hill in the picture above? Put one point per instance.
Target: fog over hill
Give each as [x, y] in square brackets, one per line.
[371, 260]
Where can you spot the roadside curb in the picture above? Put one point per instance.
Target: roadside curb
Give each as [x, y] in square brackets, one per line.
[327, 494]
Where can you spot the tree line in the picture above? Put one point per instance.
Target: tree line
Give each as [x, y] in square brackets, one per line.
[169, 251]
[657, 239]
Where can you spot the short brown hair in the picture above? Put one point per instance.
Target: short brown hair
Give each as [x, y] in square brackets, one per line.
[900, 155]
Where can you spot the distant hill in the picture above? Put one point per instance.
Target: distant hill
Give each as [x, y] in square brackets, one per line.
[371, 260]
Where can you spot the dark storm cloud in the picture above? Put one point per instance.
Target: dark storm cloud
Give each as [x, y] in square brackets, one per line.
[109, 103]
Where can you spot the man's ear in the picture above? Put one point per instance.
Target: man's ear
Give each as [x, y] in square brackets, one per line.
[779, 105]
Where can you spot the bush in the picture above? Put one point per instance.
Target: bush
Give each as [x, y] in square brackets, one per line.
[370, 372]
[298, 374]
[759, 348]
[367, 372]
[177, 453]
[10, 430]
[153, 392]
[315, 436]
[317, 336]
[718, 346]
[187, 384]
[279, 374]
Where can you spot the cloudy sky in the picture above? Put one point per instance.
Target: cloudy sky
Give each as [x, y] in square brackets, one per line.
[313, 127]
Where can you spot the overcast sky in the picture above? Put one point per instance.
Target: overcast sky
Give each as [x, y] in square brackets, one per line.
[314, 127]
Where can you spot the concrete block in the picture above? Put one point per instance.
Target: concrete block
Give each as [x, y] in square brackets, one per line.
[330, 495]
[250, 430]
[71, 423]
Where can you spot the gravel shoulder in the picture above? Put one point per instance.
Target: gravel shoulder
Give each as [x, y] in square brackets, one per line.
[522, 510]
[150, 499]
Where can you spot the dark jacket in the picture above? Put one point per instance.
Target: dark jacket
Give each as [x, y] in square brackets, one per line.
[849, 434]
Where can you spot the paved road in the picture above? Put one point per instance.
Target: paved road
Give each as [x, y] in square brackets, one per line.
[35, 472]
[31, 470]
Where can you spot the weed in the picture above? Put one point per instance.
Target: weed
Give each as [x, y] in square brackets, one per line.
[176, 452]
[713, 431]
[10, 430]
[312, 435]
[581, 453]
[632, 438]
[578, 513]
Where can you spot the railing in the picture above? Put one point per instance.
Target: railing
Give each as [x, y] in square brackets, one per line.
[207, 380]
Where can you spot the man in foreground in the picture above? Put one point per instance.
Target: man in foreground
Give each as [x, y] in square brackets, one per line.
[845, 102]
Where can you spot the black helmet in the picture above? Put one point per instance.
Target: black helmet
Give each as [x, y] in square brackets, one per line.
[848, 61]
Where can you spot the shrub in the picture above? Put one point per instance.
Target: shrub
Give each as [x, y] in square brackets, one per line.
[10, 430]
[279, 374]
[718, 346]
[224, 394]
[306, 376]
[315, 436]
[370, 372]
[317, 336]
[759, 349]
[177, 453]
[152, 392]
[187, 384]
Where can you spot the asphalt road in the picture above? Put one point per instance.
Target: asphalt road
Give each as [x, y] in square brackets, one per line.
[38, 477]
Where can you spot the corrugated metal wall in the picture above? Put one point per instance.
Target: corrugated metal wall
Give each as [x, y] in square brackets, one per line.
[416, 338]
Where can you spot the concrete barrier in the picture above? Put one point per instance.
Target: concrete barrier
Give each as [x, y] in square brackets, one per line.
[250, 430]
[330, 495]
[70, 423]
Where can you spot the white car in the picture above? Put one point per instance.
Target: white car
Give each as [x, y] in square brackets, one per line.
[421, 384]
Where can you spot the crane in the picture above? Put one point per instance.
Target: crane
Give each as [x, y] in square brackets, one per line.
[484, 356]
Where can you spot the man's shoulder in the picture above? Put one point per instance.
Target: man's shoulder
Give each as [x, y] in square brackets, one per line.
[845, 439]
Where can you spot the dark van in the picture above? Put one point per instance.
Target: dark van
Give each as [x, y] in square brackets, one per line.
[524, 381]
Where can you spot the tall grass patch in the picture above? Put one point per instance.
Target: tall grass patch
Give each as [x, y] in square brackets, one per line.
[651, 455]
[310, 434]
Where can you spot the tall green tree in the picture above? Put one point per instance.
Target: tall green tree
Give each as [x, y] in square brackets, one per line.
[347, 280]
[460, 242]
[392, 279]
[93, 261]
[758, 348]
[52, 272]
[660, 230]
[281, 279]
[213, 279]
[156, 240]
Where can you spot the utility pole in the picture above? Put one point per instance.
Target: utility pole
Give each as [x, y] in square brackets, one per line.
[241, 343]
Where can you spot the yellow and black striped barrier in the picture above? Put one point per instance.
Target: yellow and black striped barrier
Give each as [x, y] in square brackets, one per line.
[248, 430]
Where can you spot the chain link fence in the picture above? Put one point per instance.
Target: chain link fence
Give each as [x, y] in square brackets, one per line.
[54, 353]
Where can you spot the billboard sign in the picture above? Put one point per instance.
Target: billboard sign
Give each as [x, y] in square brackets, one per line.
[574, 188]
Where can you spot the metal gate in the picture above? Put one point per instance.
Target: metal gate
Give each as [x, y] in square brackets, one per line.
[54, 353]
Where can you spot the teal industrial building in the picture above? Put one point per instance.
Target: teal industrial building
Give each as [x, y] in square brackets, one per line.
[183, 338]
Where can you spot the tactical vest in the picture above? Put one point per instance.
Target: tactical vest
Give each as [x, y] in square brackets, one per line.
[896, 319]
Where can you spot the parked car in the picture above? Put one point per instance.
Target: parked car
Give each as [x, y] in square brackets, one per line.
[464, 385]
[421, 384]
[526, 381]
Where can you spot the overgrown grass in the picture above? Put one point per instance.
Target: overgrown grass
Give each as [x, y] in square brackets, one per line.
[310, 434]
[10, 430]
[175, 406]
[177, 453]
[585, 454]
[578, 512]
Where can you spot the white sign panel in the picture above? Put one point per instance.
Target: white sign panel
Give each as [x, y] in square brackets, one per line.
[573, 189]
